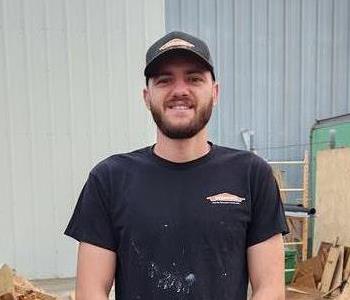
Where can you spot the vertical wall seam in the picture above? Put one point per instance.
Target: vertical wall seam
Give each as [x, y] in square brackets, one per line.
[252, 54]
[268, 79]
[29, 90]
[145, 25]
[317, 66]
[234, 100]
[92, 119]
[127, 59]
[301, 116]
[332, 60]
[71, 106]
[145, 38]
[199, 17]
[11, 142]
[285, 51]
[180, 15]
[52, 134]
[218, 67]
[348, 63]
[109, 70]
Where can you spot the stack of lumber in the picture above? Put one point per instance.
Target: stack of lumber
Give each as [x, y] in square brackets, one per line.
[325, 275]
[14, 287]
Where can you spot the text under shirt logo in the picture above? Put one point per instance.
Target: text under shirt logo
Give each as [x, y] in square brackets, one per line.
[225, 198]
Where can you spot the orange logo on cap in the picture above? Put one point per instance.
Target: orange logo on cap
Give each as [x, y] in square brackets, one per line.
[174, 43]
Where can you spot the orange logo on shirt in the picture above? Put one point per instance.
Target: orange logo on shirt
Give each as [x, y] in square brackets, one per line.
[225, 198]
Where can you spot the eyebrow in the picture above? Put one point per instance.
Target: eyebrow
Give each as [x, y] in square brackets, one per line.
[158, 74]
[198, 70]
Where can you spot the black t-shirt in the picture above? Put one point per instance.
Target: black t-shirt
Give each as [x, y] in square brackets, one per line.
[180, 230]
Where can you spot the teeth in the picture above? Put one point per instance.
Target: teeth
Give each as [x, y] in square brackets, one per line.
[180, 107]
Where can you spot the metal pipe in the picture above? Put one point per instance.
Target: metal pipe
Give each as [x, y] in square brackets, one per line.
[299, 208]
[291, 162]
[292, 190]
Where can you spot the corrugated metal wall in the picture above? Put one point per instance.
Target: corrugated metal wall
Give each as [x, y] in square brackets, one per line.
[70, 94]
[281, 65]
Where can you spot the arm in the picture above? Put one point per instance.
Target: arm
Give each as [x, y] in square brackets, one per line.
[266, 269]
[95, 272]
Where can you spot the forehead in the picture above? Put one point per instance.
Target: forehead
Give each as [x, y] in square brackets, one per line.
[181, 60]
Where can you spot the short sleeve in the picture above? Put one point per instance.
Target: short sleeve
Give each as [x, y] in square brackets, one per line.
[91, 221]
[267, 212]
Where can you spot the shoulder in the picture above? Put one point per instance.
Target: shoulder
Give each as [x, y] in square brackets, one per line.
[242, 156]
[120, 163]
[244, 160]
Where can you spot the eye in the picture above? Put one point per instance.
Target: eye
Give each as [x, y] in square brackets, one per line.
[162, 80]
[195, 78]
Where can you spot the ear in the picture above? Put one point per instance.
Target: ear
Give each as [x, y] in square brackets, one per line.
[215, 93]
[146, 97]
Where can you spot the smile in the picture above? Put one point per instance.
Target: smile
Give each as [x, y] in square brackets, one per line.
[180, 105]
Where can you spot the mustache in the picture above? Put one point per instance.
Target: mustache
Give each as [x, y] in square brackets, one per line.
[185, 100]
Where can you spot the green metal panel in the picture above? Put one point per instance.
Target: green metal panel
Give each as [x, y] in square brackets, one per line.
[320, 140]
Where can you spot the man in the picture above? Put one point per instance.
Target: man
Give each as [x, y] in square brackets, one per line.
[183, 219]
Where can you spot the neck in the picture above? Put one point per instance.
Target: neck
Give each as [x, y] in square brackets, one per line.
[182, 150]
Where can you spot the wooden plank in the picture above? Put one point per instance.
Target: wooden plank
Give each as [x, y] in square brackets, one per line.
[304, 239]
[281, 183]
[322, 253]
[329, 269]
[324, 248]
[311, 266]
[345, 295]
[346, 271]
[332, 291]
[292, 289]
[338, 273]
[305, 222]
[6, 283]
[305, 282]
[293, 243]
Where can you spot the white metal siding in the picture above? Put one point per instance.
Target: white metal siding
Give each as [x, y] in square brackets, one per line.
[71, 78]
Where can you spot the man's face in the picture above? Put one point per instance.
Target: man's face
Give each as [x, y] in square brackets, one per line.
[181, 96]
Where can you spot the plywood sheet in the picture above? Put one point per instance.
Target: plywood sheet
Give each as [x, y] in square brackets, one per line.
[332, 197]
[329, 269]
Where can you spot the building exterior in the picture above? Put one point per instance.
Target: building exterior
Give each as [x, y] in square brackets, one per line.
[70, 95]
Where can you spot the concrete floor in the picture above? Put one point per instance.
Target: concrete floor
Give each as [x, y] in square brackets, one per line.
[61, 287]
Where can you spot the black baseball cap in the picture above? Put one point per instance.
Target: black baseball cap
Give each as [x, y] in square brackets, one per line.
[177, 41]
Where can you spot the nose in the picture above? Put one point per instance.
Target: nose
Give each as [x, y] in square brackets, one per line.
[181, 88]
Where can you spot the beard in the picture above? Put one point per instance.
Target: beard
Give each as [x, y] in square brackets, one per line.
[185, 131]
